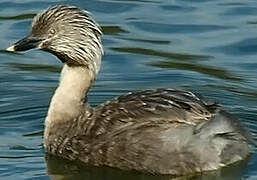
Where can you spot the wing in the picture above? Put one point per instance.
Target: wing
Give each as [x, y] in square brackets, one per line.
[153, 106]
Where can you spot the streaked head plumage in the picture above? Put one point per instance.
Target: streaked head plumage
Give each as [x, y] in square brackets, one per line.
[67, 32]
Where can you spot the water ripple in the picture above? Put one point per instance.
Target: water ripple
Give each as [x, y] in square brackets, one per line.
[243, 47]
[23, 109]
[177, 28]
[216, 72]
[151, 41]
[18, 17]
[239, 11]
[178, 8]
[150, 52]
[20, 147]
[113, 30]
[16, 157]
[35, 67]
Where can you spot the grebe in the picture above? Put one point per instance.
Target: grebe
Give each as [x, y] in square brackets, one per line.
[163, 131]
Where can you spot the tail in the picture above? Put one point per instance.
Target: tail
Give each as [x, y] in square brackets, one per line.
[226, 125]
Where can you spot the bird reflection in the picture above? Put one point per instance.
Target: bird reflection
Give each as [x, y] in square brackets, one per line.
[61, 169]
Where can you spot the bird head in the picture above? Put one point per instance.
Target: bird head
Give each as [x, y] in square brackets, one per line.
[67, 32]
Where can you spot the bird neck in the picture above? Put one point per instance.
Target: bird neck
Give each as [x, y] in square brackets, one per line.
[68, 102]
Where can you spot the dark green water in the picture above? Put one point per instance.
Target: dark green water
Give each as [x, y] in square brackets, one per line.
[208, 47]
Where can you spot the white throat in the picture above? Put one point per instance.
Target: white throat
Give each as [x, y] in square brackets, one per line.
[68, 101]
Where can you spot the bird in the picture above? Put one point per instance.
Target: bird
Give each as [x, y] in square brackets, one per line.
[157, 131]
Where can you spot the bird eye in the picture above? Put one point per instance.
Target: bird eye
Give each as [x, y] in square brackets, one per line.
[51, 32]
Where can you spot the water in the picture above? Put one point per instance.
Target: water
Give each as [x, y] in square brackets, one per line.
[208, 47]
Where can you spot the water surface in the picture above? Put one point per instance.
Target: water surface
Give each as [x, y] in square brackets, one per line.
[208, 47]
